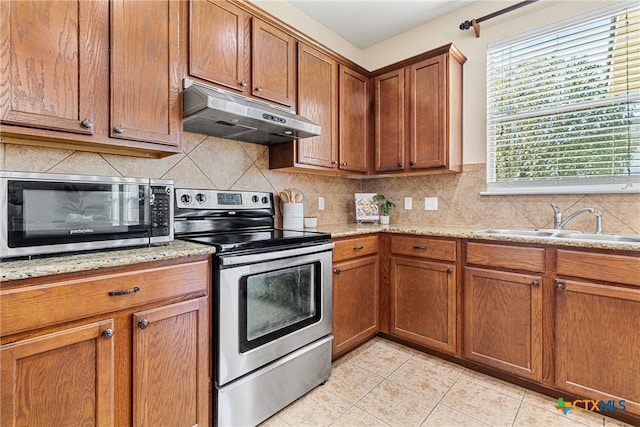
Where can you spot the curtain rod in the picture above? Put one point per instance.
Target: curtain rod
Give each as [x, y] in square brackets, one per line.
[475, 23]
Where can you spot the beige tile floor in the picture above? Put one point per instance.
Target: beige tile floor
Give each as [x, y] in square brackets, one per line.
[385, 384]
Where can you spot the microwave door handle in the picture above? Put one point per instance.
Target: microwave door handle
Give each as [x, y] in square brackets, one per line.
[229, 260]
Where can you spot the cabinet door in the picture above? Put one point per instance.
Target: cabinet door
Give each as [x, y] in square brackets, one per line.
[389, 121]
[423, 302]
[65, 378]
[354, 121]
[427, 111]
[145, 83]
[355, 303]
[597, 349]
[51, 58]
[503, 321]
[318, 101]
[219, 44]
[171, 368]
[274, 64]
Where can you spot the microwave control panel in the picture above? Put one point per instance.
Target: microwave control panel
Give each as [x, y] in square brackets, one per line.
[160, 210]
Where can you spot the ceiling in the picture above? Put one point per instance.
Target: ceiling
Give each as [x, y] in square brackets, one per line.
[364, 23]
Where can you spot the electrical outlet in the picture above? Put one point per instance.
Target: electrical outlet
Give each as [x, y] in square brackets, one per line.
[320, 203]
[408, 203]
[430, 203]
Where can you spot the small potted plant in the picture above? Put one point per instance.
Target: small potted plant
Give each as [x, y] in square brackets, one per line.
[385, 208]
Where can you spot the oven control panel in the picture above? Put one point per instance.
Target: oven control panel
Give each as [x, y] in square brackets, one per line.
[188, 198]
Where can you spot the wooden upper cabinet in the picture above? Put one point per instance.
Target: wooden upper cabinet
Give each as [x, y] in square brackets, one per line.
[51, 52]
[389, 121]
[418, 117]
[354, 121]
[219, 44]
[235, 50]
[65, 82]
[318, 101]
[337, 98]
[273, 64]
[145, 76]
[427, 113]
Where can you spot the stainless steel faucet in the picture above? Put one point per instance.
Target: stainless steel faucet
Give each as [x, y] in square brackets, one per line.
[559, 223]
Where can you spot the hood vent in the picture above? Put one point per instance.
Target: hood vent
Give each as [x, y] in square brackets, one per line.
[219, 113]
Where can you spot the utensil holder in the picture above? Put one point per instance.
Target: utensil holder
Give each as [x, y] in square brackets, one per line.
[293, 216]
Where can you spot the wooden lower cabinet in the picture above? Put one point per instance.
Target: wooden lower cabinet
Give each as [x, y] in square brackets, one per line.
[171, 365]
[503, 321]
[64, 378]
[356, 290]
[144, 364]
[597, 342]
[355, 294]
[423, 302]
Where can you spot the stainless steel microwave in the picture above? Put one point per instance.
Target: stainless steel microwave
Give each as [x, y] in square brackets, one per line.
[53, 213]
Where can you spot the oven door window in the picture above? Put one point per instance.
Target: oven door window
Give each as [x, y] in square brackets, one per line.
[276, 303]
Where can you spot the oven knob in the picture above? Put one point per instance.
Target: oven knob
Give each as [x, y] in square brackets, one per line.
[185, 198]
[265, 200]
[200, 198]
[255, 199]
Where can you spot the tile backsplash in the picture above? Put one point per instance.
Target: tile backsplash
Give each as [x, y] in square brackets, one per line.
[209, 162]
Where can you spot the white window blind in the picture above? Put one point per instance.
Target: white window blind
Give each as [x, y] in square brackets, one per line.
[563, 107]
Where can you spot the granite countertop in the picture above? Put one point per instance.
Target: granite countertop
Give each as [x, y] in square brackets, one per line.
[45, 266]
[346, 230]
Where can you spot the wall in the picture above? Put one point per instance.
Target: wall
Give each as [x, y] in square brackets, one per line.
[214, 163]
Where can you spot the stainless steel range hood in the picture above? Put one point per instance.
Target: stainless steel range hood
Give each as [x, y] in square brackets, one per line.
[219, 113]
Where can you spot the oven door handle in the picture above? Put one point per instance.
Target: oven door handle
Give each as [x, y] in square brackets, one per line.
[230, 260]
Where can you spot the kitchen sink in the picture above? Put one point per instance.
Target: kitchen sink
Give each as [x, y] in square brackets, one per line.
[553, 234]
[518, 232]
[576, 235]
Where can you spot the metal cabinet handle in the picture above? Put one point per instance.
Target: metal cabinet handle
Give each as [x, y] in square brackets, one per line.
[344, 164]
[334, 162]
[420, 248]
[259, 88]
[561, 286]
[125, 292]
[337, 270]
[411, 163]
[243, 83]
[119, 129]
[143, 324]
[87, 123]
[449, 270]
[535, 284]
[107, 333]
[400, 165]
[358, 248]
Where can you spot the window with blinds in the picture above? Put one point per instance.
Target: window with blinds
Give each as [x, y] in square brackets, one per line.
[563, 107]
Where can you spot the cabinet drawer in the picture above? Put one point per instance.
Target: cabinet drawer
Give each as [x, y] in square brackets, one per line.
[355, 247]
[38, 306]
[599, 266]
[512, 257]
[424, 247]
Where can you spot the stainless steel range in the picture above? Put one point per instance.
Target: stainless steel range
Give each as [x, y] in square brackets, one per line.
[272, 304]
